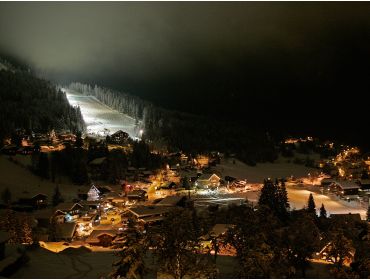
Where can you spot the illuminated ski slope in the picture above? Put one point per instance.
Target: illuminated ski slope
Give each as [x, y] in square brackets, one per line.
[99, 118]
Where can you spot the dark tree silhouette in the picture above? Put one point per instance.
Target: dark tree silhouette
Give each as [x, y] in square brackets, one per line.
[131, 256]
[311, 206]
[323, 213]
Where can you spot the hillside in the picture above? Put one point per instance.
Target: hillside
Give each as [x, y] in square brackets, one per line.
[186, 132]
[22, 183]
[28, 102]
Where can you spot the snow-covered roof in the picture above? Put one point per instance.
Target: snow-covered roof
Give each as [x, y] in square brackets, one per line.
[151, 219]
[346, 185]
[207, 177]
[145, 211]
[95, 234]
[111, 195]
[170, 200]
[136, 193]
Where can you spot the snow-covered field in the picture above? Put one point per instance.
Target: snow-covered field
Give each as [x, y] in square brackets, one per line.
[76, 265]
[298, 199]
[256, 174]
[99, 118]
[298, 196]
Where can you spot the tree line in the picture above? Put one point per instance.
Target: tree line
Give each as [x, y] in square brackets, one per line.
[30, 103]
[188, 132]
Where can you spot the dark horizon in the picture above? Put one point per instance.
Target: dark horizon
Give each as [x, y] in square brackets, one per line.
[291, 68]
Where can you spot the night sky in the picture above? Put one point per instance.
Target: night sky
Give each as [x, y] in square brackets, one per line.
[292, 67]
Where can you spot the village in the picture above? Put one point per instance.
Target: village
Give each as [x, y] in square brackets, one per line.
[97, 214]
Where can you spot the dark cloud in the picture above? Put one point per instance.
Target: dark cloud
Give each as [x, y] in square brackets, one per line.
[181, 53]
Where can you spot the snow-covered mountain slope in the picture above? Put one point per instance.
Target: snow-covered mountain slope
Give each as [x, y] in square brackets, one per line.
[99, 118]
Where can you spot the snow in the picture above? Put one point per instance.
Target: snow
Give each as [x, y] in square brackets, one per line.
[79, 264]
[298, 199]
[256, 174]
[99, 118]
[22, 183]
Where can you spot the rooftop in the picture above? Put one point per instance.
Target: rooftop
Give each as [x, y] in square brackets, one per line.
[170, 200]
[347, 185]
[145, 211]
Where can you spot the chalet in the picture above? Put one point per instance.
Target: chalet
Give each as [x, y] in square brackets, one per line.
[69, 208]
[171, 201]
[37, 201]
[346, 188]
[137, 195]
[93, 194]
[119, 137]
[148, 214]
[111, 196]
[102, 238]
[208, 181]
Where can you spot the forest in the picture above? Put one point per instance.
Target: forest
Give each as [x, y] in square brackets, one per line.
[30, 103]
[188, 132]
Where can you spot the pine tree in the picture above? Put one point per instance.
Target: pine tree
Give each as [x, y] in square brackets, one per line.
[275, 197]
[368, 214]
[268, 195]
[57, 196]
[283, 194]
[323, 213]
[131, 262]
[311, 206]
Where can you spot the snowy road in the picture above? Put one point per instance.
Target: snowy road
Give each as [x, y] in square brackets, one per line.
[99, 118]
